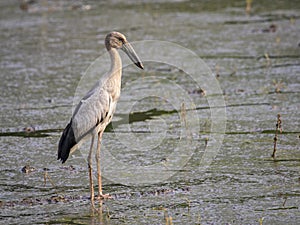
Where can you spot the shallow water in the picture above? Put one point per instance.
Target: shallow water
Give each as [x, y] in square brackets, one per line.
[167, 163]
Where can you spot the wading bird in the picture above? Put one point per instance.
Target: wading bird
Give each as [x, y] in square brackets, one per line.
[94, 112]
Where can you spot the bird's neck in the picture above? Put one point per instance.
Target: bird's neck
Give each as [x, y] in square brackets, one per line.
[112, 81]
[116, 63]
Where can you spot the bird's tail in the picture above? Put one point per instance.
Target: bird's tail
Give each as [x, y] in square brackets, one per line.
[66, 142]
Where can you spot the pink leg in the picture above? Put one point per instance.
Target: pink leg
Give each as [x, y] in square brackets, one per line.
[92, 194]
[100, 194]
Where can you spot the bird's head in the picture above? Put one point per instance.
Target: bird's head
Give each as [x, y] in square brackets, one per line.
[118, 41]
[115, 40]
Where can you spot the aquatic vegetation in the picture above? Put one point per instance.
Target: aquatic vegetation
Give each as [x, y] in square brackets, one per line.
[28, 169]
[279, 85]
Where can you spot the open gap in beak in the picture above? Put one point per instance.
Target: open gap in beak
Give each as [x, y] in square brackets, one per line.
[128, 49]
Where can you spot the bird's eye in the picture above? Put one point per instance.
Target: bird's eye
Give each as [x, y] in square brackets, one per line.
[121, 39]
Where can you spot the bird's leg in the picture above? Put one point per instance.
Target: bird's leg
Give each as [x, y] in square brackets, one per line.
[92, 194]
[100, 194]
[98, 164]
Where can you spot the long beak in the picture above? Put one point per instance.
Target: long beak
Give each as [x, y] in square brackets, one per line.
[127, 48]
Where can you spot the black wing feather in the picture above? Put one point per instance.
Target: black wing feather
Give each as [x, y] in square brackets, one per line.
[66, 142]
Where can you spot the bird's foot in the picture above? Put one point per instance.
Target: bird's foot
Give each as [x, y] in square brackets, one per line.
[103, 196]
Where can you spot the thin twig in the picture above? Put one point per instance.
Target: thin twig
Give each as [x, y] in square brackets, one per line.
[46, 176]
[278, 128]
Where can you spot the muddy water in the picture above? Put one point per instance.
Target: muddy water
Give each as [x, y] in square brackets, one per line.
[45, 51]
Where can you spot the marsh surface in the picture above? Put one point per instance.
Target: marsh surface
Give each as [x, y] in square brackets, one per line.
[46, 47]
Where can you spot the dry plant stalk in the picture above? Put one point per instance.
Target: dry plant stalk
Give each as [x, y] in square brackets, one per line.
[47, 177]
[278, 128]
[268, 60]
[183, 119]
[261, 220]
[248, 6]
